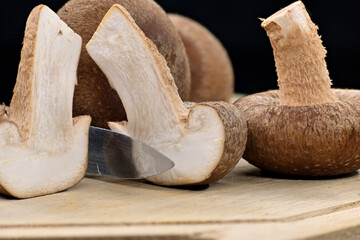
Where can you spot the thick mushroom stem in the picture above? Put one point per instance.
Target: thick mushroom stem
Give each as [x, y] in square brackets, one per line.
[165, 114]
[303, 77]
[41, 73]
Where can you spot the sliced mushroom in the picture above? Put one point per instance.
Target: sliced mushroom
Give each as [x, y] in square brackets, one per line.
[42, 149]
[305, 127]
[93, 95]
[212, 76]
[204, 140]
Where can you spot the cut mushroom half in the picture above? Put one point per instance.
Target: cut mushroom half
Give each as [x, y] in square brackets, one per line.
[305, 128]
[204, 140]
[42, 148]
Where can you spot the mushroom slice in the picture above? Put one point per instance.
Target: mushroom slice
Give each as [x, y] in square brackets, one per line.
[305, 128]
[204, 140]
[42, 149]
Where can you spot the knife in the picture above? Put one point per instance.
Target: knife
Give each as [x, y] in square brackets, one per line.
[115, 154]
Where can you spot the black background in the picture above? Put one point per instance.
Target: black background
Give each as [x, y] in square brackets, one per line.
[237, 26]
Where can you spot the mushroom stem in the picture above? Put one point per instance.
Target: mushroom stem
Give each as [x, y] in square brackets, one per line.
[41, 74]
[303, 77]
[162, 113]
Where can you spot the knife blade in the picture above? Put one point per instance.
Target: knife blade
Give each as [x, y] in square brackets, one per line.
[115, 154]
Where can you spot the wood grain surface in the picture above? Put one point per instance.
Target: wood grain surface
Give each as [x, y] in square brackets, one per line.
[246, 204]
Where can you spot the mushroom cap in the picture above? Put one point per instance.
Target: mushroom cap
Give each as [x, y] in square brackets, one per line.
[214, 143]
[93, 95]
[316, 140]
[212, 76]
[28, 172]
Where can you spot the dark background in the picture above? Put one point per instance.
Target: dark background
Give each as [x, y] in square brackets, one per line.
[237, 26]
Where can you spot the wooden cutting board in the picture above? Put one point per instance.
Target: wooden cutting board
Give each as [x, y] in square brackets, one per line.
[246, 204]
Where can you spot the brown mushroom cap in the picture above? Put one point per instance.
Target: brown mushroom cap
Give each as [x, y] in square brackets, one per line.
[93, 95]
[235, 135]
[212, 76]
[312, 140]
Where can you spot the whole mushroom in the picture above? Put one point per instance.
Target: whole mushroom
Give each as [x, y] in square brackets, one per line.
[304, 128]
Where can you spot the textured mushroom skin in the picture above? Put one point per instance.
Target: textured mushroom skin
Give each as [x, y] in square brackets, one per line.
[20, 104]
[93, 95]
[311, 140]
[2, 111]
[235, 137]
[299, 54]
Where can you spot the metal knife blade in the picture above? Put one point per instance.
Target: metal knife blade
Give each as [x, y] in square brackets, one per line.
[115, 154]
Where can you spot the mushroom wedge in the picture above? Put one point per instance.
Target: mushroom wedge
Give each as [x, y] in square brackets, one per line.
[42, 148]
[204, 140]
